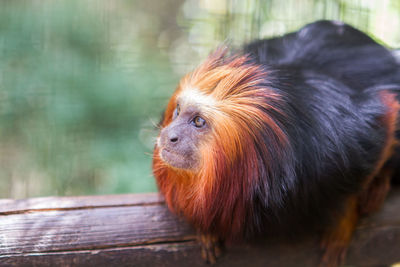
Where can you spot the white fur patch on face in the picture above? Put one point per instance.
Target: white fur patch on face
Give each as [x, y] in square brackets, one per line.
[192, 96]
[158, 142]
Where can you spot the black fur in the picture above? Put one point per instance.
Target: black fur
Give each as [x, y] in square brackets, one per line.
[330, 76]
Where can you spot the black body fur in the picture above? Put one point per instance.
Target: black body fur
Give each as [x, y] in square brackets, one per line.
[330, 76]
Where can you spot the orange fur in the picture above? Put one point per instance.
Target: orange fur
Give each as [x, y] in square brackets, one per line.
[337, 238]
[378, 183]
[228, 155]
[336, 241]
[389, 122]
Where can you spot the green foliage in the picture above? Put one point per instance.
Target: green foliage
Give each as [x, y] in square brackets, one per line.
[68, 108]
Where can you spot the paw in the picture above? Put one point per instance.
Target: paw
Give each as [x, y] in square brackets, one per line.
[336, 240]
[211, 247]
[334, 255]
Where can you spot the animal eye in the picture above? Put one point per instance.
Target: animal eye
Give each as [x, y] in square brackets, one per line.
[176, 112]
[198, 122]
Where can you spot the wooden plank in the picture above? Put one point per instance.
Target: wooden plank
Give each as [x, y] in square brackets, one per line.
[63, 230]
[148, 235]
[180, 254]
[8, 206]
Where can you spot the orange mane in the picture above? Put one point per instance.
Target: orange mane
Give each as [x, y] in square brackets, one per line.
[238, 116]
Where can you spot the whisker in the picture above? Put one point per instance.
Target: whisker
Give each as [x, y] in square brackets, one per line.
[148, 154]
[155, 124]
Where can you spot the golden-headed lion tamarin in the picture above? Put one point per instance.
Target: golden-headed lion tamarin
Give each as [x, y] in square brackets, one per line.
[290, 134]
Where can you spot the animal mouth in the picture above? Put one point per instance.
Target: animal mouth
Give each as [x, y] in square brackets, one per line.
[175, 159]
[168, 155]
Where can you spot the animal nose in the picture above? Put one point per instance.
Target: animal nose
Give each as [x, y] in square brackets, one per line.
[170, 135]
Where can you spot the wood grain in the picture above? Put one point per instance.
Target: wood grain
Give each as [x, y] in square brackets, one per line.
[138, 230]
[8, 206]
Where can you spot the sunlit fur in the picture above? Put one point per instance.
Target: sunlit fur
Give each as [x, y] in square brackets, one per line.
[235, 108]
[294, 132]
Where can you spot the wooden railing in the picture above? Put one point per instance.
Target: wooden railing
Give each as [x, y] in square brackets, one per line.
[138, 230]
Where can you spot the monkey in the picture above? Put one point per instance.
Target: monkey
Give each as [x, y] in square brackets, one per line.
[292, 134]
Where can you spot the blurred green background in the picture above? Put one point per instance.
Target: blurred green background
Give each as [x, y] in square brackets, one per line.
[82, 83]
